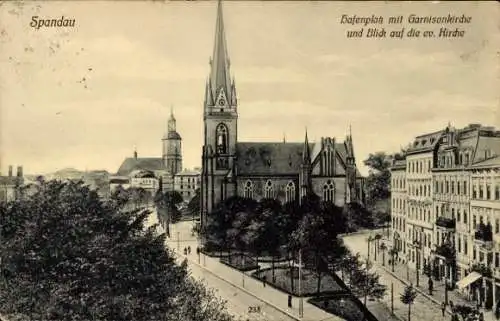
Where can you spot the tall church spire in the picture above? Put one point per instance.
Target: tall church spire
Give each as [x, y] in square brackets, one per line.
[306, 155]
[220, 74]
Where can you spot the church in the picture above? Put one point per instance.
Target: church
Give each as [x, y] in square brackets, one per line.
[282, 170]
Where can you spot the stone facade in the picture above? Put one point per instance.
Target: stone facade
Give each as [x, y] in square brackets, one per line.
[281, 170]
[447, 185]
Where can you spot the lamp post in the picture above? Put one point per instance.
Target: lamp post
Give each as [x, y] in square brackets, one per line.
[178, 241]
[301, 300]
[369, 240]
[416, 243]
[408, 266]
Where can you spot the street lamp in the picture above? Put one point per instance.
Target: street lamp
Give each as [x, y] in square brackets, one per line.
[301, 300]
[417, 245]
[369, 240]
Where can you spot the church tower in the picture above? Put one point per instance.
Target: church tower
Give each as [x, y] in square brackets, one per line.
[220, 119]
[351, 186]
[172, 147]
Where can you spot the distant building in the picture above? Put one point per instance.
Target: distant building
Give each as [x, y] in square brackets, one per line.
[144, 179]
[167, 170]
[118, 181]
[9, 184]
[186, 183]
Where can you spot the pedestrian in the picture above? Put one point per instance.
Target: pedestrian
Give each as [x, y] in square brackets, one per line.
[451, 305]
[443, 307]
[185, 251]
[431, 286]
[264, 278]
[289, 301]
[189, 249]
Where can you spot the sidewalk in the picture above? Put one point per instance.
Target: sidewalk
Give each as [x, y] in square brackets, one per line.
[246, 283]
[401, 272]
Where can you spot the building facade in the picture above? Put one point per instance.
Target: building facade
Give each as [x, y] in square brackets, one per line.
[9, 184]
[451, 177]
[186, 183]
[281, 170]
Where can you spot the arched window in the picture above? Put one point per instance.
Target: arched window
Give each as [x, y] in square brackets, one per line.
[248, 190]
[290, 192]
[329, 191]
[222, 139]
[268, 190]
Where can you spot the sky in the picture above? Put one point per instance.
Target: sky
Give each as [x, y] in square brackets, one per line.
[293, 65]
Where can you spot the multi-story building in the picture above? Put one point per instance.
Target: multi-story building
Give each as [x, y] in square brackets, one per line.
[9, 184]
[398, 204]
[187, 182]
[449, 184]
[485, 222]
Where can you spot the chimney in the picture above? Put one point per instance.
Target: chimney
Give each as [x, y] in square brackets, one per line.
[19, 171]
[10, 170]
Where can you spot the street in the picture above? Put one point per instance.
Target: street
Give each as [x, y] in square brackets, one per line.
[241, 304]
[422, 309]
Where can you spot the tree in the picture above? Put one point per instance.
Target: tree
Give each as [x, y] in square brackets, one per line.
[194, 203]
[408, 297]
[377, 183]
[67, 255]
[366, 283]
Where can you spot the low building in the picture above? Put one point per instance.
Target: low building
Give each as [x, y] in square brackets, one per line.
[144, 179]
[118, 181]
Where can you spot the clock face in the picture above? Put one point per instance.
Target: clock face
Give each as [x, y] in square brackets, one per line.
[221, 102]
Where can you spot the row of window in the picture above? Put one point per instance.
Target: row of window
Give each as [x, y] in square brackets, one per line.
[398, 203]
[480, 191]
[269, 192]
[419, 166]
[420, 190]
[446, 187]
[398, 182]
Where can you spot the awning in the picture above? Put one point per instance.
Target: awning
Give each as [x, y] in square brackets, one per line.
[468, 280]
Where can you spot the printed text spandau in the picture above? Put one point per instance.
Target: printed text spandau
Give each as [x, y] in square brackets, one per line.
[49, 22]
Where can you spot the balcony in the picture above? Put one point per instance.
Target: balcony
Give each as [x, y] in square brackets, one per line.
[446, 251]
[446, 223]
[484, 236]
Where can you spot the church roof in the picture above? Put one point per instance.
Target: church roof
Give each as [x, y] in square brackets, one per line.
[146, 163]
[276, 158]
[269, 158]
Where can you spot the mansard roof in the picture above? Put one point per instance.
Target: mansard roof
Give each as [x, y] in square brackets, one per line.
[146, 163]
[488, 163]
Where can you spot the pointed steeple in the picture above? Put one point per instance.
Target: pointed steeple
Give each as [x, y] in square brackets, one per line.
[220, 74]
[350, 147]
[171, 120]
[306, 154]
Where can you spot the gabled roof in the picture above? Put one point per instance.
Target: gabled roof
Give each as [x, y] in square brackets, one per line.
[130, 164]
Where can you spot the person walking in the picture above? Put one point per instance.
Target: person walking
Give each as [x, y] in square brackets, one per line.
[189, 249]
[264, 278]
[185, 251]
[431, 286]
[443, 307]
